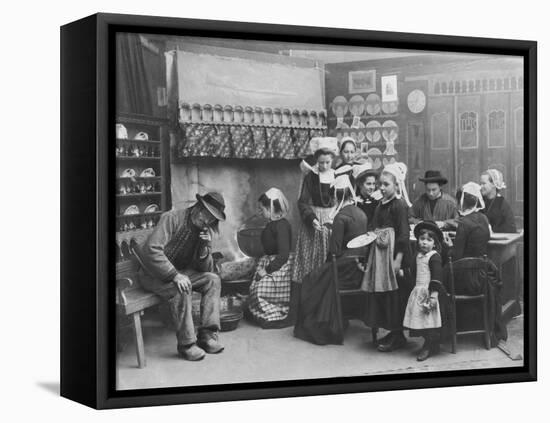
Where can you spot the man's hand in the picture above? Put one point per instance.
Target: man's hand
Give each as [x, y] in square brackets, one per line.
[205, 235]
[182, 283]
[440, 224]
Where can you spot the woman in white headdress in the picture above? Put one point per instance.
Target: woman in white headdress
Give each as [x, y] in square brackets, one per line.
[315, 204]
[472, 233]
[318, 319]
[472, 239]
[385, 280]
[497, 209]
[269, 298]
[347, 158]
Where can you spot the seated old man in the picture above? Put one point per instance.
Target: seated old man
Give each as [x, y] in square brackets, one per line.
[434, 204]
[177, 259]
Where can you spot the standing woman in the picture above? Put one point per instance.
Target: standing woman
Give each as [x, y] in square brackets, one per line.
[348, 154]
[269, 298]
[385, 280]
[318, 319]
[315, 204]
[497, 209]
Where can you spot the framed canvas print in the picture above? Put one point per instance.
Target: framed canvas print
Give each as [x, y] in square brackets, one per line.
[223, 237]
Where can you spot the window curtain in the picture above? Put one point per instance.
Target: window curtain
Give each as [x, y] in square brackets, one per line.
[133, 92]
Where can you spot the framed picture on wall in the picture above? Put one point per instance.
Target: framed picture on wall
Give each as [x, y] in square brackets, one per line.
[362, 81]
[389, 88]
[206, 259]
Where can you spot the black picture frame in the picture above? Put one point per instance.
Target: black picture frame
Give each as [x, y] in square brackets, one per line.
[87, 119]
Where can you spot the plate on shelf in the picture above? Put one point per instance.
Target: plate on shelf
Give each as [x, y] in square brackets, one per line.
[148, 173]
[390, 130]
[121, 132]
[133, 209]
[390, 107]
[128, 173]
[339, 106]
[373, 131]
[373, 104]
[142, 136]
[152, 208]
[356, 105]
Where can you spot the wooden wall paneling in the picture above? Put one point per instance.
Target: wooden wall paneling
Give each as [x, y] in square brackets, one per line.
[516, 147]
[498, 154]
[440, 138]
[467, 120]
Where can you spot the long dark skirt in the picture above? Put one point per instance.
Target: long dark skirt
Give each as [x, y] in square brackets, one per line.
[317, 319]
[386, 309]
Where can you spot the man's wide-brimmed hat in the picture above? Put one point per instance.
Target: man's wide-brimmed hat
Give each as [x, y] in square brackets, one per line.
[433, 176]
[430, 225]
[214, 203]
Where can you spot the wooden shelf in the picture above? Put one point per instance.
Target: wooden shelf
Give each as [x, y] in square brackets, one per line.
[126, 216]
[259, 125]
[142, 178]
[126, 158]
[128, 140]
[128, 236]
[139, 194]
[369, 117]
[139, 119]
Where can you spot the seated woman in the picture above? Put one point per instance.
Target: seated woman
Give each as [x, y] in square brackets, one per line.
[269, 298]
[497, 209]
[472, 234]
[472, 238]
[318, 320]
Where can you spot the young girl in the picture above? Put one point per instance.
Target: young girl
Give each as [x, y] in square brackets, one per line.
[423, 314]
[269, 298]
[366, 179]
[318, 320]
[389, 256]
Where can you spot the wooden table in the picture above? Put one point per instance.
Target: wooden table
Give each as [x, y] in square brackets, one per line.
[502, 251]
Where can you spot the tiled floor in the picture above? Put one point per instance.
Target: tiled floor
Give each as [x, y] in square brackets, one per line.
[253, 354]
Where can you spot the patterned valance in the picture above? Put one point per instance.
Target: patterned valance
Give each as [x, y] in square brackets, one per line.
[244, 141]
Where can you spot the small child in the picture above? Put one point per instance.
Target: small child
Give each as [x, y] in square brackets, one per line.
[423, 314]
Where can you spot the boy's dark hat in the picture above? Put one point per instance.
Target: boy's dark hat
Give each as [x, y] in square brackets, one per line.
[214, 203]
[430, 225]
[433, 176]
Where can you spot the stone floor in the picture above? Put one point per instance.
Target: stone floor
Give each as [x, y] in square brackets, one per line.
[253, 354]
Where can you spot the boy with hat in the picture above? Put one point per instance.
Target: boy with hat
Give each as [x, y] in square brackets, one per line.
[177, 259]
[434, 204]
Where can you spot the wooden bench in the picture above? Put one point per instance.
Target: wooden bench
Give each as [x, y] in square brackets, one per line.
[132, 300]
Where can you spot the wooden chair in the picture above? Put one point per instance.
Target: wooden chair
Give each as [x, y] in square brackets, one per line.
[469, 267]
[347, 293]
[132, 300]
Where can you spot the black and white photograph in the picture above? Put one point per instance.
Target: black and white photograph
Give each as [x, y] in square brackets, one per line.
[303, 211]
